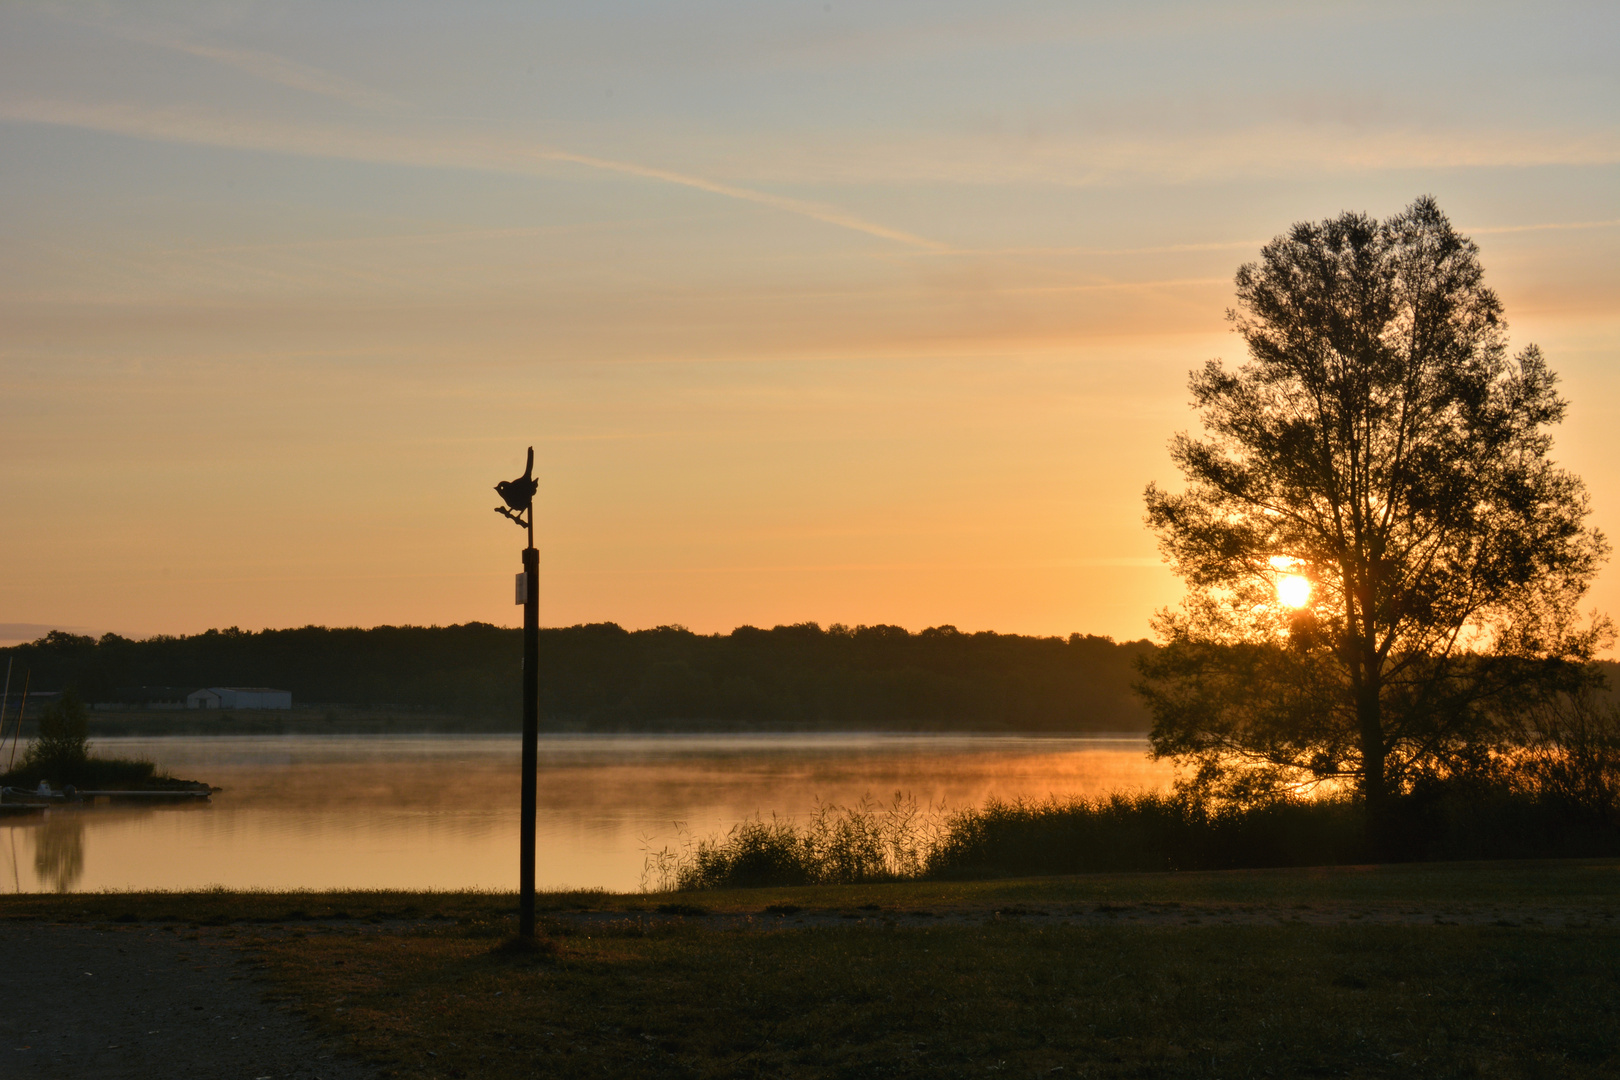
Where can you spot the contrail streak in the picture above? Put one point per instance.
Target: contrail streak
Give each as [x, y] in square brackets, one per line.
[261, 65]
[816, 211]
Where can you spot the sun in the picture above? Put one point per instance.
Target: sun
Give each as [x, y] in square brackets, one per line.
[1294, 591]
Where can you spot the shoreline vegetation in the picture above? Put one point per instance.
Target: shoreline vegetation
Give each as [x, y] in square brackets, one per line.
[1138, 832]
[59, 755]
[1463, 969]
[1556, 794]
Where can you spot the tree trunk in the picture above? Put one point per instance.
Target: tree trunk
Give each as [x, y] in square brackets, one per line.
[1374, 782]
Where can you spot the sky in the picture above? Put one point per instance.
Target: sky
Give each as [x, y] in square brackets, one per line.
[876, 313]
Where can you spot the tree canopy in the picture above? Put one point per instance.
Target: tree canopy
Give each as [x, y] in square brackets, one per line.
[1383, 564]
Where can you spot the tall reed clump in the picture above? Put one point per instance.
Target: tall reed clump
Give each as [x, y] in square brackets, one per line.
[839, 845]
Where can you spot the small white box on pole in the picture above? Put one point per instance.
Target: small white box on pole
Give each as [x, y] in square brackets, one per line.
[522, 589]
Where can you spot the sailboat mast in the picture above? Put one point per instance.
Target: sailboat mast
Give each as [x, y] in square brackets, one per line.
[17, 734]
[5, 698]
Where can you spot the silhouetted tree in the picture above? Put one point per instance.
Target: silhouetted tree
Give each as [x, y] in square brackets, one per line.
[1381, 445]
[63, 742]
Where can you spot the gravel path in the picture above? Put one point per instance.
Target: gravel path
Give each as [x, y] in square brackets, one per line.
[142, 1001]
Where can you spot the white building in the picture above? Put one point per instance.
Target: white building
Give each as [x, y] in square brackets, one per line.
[239, 697]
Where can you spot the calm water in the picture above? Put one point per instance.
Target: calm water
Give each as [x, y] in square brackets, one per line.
[441, 812]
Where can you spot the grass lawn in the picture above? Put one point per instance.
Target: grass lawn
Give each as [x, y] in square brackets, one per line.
[1403, 972]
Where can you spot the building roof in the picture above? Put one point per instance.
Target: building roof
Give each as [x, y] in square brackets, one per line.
[152, 693]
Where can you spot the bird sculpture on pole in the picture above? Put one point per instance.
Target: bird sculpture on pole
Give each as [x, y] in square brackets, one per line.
[519, 495]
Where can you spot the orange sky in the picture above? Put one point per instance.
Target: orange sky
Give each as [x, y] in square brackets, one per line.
[853, 317]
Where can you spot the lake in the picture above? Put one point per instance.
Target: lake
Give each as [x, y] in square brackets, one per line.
[426, 812]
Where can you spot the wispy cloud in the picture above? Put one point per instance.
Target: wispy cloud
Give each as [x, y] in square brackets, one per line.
[1076, 154]
[1117, 563]
[27, 631]
[261, 65]
[279, 70]
[203, 127]
[1550, 226]
[1117, 286]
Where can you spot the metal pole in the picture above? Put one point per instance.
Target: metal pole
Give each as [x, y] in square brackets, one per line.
[518, 495]
[531, 731]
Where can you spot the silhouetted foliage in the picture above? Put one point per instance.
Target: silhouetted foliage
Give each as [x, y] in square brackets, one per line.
[60, 754]
[64, 737]
[1381, 444]
[602, 676]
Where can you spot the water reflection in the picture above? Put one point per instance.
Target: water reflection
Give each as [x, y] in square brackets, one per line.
[59, 852]
[313, 812]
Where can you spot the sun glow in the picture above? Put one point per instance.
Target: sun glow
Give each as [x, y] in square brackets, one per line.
[1294, 591]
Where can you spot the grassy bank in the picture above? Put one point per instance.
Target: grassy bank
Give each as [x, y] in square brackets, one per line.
[1430, 888]
[1405, 972]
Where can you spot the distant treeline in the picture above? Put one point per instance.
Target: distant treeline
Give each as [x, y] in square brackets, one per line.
[604, 677]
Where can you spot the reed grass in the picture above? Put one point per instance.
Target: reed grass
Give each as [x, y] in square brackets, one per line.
[898, 841]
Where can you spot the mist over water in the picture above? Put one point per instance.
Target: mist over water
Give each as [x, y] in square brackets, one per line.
[312, 812]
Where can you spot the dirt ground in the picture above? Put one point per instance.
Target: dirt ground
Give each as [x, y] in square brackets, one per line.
[144, 1001]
